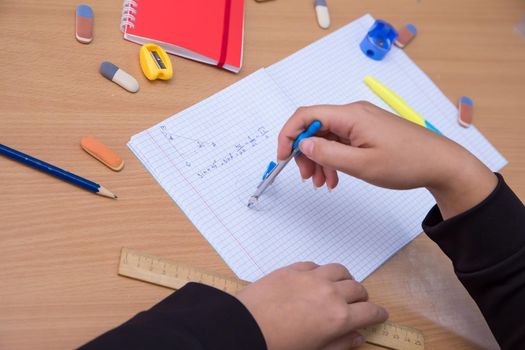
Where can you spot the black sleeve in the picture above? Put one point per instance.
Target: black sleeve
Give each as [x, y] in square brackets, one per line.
[487, 247]
[195, 317]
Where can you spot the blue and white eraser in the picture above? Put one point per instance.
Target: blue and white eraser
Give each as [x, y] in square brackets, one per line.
[323, 16]
[118, 76]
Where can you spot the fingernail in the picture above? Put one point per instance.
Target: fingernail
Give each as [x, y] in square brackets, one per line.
[307, 147]
[313, 184]
[329, 188]
[358, 341]
[303, 179]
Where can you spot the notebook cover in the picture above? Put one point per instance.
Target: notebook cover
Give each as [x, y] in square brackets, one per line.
[191, 28]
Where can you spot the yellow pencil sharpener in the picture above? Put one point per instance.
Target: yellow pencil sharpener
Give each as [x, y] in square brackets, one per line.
[155, 62]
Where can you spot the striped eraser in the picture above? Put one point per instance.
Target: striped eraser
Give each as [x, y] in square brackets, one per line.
[405, 35]
[466, 111]
[84, 24]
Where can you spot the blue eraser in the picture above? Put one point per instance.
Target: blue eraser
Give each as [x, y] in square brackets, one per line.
[84, 10]
[108, 70]
[320, 2]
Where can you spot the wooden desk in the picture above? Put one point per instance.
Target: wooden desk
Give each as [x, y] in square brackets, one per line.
[59, 246]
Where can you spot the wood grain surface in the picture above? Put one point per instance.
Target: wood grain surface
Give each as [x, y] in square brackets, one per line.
[60, 246]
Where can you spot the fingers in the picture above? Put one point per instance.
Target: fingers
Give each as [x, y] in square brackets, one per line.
[306, 166]
[364, 314]
[352, 291]
[309, 169]
[318, 179]
[333, 272]
[331, 178]
[350, 340]
[335, 155]
[336, 119]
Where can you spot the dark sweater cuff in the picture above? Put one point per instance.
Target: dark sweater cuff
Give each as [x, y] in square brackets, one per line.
[462, 237]
[217, 319]
[195, 317]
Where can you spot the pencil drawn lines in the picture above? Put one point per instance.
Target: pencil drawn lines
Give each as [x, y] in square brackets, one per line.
[185, 146]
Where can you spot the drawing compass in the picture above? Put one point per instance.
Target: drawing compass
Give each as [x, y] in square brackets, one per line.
[274, 169]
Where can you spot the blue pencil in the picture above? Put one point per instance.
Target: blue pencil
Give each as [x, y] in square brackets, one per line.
[56, 172]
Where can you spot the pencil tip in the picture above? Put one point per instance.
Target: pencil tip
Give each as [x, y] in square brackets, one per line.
[106, 193]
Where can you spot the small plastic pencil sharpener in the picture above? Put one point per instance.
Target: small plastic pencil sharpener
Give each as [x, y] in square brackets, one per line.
[155, 62]
[379, 39]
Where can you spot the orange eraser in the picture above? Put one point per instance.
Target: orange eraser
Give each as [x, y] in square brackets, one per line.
[102, 152]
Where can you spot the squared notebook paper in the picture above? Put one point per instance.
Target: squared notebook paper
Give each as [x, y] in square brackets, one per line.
[210, 157]
[209, 31]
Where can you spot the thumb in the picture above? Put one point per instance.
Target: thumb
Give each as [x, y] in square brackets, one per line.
[333, 154]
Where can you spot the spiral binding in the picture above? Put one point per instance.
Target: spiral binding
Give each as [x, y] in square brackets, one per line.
[129, 10]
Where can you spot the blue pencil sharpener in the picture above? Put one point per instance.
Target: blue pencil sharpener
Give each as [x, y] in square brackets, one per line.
[379, 40]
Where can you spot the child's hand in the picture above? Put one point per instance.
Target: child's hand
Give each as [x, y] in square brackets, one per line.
[306, 306]
[367, 142]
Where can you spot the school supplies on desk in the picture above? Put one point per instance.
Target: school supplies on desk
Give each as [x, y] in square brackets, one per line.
[55, 171]
[209, 156]
[398, 104]
[209, 31]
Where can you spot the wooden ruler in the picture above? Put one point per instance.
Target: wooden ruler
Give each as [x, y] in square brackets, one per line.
[168, 273]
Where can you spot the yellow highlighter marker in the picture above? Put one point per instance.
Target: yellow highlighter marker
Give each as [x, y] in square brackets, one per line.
[397, 103]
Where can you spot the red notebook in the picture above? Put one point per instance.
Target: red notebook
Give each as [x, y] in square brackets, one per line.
[209, 31]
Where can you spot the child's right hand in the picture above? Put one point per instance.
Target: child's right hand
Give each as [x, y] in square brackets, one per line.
[369, 143]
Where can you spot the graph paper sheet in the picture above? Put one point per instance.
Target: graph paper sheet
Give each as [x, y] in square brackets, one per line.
[210, 157]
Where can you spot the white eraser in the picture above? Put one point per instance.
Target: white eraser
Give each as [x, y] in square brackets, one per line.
[323, 16]
[126, 81]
